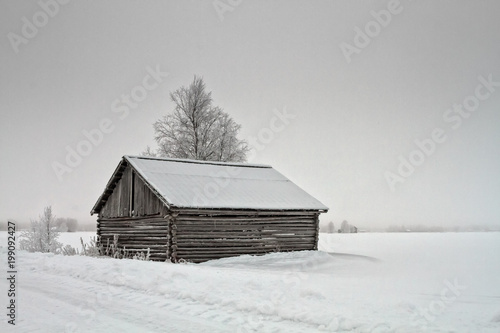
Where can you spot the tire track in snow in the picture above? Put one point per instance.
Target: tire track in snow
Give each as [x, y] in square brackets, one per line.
[67, 304]
[74, 307]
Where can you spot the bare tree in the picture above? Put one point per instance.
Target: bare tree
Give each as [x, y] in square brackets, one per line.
[197, 129]
[148, 152]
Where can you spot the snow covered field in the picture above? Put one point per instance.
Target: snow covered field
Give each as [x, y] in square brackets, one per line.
[373, 282]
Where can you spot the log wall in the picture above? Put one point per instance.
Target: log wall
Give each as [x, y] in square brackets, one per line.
[197, 238]
[137, 234]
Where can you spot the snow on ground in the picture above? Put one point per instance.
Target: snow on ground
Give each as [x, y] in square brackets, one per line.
[373, 282]
[73, 238]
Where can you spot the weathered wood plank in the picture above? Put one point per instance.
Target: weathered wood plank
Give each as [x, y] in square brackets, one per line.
[236, 212]
[243, 233]
[244, 242]
[238, 229]
[187, 219]
[276, 248]
[260, 224]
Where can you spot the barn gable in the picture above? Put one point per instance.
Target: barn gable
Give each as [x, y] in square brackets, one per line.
[127, 194]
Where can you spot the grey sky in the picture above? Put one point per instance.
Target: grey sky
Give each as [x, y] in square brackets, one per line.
[352, 119]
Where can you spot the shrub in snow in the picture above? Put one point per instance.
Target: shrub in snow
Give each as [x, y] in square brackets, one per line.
[69, 250]
[113, 250]
[93, 248]
[182, 261]
[141, 256]
[42, 234]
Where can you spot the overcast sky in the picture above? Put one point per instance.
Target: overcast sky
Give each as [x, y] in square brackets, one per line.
[354, 95]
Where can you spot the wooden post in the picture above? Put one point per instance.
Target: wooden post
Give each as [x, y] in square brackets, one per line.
[172, 237]
[316, 218]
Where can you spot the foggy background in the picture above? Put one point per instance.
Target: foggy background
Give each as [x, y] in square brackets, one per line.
[353, 116]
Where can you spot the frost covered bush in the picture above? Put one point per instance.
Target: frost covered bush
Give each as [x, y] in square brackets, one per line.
[114, 251]
[42, 234]
[141, 256]
[96, 249]
[92, 249]
[69, 250]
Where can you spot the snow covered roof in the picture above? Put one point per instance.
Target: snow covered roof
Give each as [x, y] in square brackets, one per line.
[216, 185]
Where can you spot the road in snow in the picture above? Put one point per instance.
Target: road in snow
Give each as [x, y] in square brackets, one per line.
[370, 282]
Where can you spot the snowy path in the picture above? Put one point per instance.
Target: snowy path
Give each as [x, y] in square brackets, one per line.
[73, 306]
[367, 283]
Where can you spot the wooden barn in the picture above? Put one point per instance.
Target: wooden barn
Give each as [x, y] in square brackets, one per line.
[198, 210]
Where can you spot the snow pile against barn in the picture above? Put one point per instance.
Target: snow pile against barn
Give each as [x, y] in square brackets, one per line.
[199, 210]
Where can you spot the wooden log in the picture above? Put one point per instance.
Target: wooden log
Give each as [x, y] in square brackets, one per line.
[235, 241]
[221, 219]
[135, 221]
[224, 234]
[163, 237]
[236, 212]
[144, 245]
[244, 230]
[135, 228]
[132, 231]
[237, 250]
[154, 217]
[230, 226]
[209, 246]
